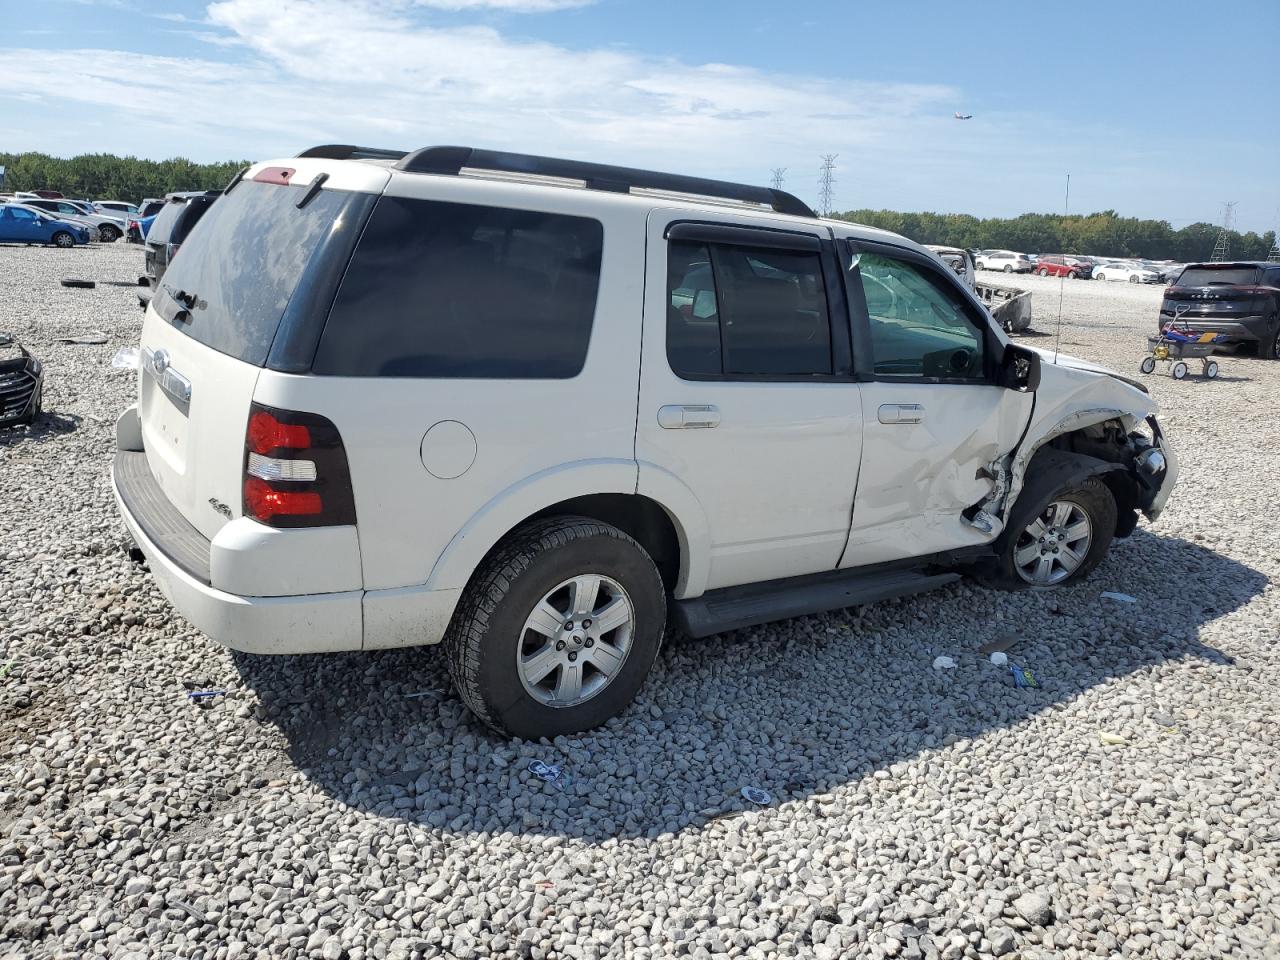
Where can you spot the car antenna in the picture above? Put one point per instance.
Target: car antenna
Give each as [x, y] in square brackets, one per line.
[1062, 278]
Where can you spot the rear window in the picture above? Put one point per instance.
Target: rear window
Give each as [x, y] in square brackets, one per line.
[1216, 276]
[192, 211]
[240, 266]
[456, 290]
[162, 227]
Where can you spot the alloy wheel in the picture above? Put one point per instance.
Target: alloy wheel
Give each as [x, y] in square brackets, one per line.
[1054, 545]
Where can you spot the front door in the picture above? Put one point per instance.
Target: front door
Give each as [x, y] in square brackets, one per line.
[747, 395]
[933, 418]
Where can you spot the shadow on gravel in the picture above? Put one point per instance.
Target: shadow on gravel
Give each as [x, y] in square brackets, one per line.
[47, 426]
[796, 708]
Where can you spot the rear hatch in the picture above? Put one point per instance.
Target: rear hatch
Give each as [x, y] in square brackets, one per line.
[211, 326]
[1212, 291]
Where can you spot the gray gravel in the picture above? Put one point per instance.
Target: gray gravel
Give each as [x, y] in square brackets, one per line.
[317, 810]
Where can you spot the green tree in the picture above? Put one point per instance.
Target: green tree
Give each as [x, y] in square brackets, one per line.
[103, 176]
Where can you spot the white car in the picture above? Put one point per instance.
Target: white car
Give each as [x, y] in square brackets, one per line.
[106, 228]
[1126, 271]
[1006, 260]
[118, 209]
[529, 407]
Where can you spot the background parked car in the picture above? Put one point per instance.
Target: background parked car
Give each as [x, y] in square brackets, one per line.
[1126, 271]
[109, 229]
[137, 227]
[1006, 260]
[1240, 300]
[1061, 265]
[180, 213]
[118, 209]
[22, 224]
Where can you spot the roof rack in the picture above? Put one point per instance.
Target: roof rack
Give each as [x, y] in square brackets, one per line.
[596, 176]
[345, 151]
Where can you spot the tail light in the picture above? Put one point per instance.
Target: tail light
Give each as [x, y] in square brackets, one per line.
[295, 470]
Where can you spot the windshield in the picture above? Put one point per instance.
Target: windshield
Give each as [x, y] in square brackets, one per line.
[1218, 276]
[237, 270]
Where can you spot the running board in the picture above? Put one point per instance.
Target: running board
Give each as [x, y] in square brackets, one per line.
[733, 608]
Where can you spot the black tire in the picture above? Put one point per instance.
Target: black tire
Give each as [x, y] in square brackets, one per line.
[63, 239]
[1269, 346]
[83, 284]
[1043, 272]
[484, 637]
[1133, 279]
[109, 234]
[1008, 268]
[1072, 275]
[1093, 496]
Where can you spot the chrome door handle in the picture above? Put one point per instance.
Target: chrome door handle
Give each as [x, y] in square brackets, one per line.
[688, 416]
[901, 412]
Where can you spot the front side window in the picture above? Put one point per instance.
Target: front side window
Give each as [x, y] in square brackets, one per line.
[746, 311]
[440, 289]
[919, 326]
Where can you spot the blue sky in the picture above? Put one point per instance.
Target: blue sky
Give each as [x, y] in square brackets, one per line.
[1155, 110]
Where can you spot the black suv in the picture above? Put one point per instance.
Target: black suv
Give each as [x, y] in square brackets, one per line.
[181, 212]
[1241, 300]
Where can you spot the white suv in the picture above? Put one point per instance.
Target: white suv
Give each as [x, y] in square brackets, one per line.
[533, 408]
[1006, 260]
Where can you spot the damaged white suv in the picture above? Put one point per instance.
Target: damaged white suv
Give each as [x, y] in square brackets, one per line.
[533, 408]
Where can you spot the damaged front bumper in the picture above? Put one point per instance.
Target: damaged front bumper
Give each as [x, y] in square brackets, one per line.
[21, 383]
[1157, 470]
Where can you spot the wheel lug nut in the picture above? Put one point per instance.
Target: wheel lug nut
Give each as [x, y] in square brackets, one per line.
[568, 625]
[559, 644]
[590, 642]
[573, 657]
[586, 624]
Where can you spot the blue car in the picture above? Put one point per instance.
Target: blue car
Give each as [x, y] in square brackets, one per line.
[22, 224]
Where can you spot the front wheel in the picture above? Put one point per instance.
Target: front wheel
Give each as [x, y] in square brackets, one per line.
[1147, 365]
[1071, 275]
[1059, 542]
[1133, 279]
[108, 233]
[1043, 272]
[557, 631]
[1099, 276]
[63, 239]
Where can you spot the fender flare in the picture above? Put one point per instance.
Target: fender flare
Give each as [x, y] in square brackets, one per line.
[690, 520]
[1022, 458]
[1051, 470]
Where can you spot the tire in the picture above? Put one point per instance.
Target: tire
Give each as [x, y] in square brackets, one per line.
[1179, 371]
[108, 234]
[1043, 272]
[63, 239]
[1148, 365]
[490, 632]
[1133, 279]
[1089, 498]
[1211, 369]
[1008, 268]
[1099, 276]
[1269, 348]
[1072, 275]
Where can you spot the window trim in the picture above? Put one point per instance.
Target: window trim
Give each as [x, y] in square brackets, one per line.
[695, 231]
[863, 348]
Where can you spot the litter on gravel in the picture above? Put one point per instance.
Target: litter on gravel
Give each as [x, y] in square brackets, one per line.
[757, 795]
[1119, 597]
[80, 284]
[126, 358]
[91, 339]
[1111, 739]
[943, 663]
[1000, 658]
[549, 772]
[1023, 677]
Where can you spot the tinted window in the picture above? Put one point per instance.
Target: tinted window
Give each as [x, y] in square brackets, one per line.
[188, 217]
[243, 262]
[151, 208]
[920, 327]
[1213, 276]
[455, 290]
[164, 222]
[737, 310]
[1272, 277]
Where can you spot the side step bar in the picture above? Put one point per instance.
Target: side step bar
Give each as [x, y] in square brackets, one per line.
[733, 608]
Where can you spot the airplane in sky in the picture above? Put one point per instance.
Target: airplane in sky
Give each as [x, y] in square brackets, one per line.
[963, 116]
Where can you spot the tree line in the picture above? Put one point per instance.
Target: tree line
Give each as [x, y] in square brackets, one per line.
[1105, 234]
[104, 176]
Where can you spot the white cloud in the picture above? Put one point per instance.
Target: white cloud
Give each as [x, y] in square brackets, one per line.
[372, 71]
[507, 6]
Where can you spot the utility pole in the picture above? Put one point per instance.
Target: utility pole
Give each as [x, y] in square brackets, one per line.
[1221, 247]
[778, 173]
[826, 184]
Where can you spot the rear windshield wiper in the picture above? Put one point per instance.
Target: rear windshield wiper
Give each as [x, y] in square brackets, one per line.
[186, 301]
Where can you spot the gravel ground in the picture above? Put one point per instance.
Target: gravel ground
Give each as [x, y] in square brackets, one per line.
[346, 806]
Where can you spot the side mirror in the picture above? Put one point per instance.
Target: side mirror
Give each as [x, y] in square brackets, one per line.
[1020, 369]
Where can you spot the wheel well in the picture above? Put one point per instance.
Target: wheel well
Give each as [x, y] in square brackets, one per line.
[639, 517]
[1110, 442]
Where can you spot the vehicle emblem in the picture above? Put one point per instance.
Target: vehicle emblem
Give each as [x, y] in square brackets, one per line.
[220, 507]
[160, 360]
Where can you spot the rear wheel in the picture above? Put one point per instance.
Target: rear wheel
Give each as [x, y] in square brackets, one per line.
[1133, 279]
[1211, 369]
[1099, 276]
[1059, 542]
[63, 239]
[557, 631]
[1008, 268]
[1179, 371]
[1269, 347]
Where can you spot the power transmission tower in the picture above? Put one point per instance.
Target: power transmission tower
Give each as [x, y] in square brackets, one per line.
[1221, 246]
[826, 184]
[777, 177]
[1274, 255]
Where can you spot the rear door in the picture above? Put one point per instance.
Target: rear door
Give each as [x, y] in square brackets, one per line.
[747, 396]
[211, 324]
[933, 417]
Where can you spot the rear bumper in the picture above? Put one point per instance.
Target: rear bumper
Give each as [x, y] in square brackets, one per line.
[315, 623]
[1241, 329]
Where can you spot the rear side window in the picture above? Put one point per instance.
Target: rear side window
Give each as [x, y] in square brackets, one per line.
[190, 215]
[745, 311]
[456, 290]
[166, 219]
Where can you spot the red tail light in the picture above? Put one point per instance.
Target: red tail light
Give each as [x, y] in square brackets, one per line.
[295, 470]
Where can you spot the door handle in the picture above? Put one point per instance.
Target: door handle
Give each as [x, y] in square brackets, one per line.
[901, 413]
[688, 416]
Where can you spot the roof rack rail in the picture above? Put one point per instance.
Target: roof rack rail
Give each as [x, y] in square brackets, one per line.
[345, 151]
[596, 176]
